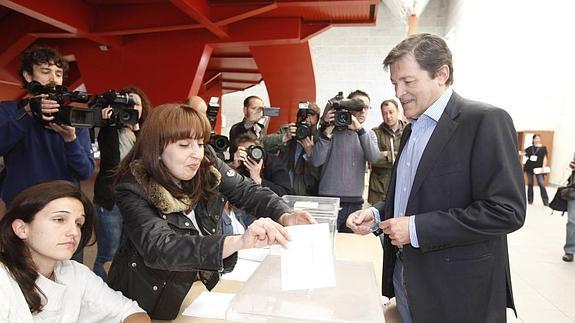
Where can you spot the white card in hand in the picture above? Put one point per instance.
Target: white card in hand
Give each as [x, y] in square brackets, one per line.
[308, 260]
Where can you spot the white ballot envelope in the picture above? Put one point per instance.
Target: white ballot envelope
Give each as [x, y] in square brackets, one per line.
[308, 261]
[210, 304]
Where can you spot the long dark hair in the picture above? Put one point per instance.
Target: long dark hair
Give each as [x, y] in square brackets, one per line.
[166, 124]
[14, 253]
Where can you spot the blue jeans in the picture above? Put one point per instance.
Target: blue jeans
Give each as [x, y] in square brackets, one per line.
[226, 226]
[570, 238]
[541, 183]
[400, 293]
[345, 209]
[109, 232]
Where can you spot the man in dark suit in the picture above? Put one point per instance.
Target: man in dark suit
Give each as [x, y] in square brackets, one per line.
[456, 191]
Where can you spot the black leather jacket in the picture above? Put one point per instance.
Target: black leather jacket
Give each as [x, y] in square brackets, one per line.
[161, 253]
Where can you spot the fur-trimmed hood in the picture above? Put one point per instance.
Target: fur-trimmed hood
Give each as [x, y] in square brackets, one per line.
[159, 196]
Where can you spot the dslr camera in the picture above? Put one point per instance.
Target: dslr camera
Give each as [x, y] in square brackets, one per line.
[255, 152]
[343, 108]
[123, 112]
[303, 128]
[218, 142]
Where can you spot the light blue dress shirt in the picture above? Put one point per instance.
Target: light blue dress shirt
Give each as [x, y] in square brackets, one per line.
[421, 130]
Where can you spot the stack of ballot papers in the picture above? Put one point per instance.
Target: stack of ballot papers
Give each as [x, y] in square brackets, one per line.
[248, 262]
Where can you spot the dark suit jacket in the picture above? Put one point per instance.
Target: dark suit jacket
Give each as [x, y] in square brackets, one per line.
[468, 194]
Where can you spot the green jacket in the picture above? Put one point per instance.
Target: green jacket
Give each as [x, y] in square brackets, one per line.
[273, 143]
[380, 176]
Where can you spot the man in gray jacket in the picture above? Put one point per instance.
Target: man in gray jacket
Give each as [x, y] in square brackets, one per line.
[342, 153]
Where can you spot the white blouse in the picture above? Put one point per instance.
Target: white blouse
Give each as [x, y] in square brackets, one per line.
[76, 295]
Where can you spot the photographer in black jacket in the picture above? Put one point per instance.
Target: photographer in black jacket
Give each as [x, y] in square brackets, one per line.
[267, 170]
[115, 143]
[250, 160]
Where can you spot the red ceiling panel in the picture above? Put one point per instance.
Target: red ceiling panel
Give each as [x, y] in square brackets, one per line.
[322, 13]
[253, 77]
[231, 51]
[173, 48]
[222, 63]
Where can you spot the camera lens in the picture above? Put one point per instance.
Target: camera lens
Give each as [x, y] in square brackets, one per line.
[256, 152]
[125, 116]
[220, 143]
[302, 130]
[342, 118]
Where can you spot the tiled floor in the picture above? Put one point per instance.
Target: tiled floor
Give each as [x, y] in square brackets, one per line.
[543, 284]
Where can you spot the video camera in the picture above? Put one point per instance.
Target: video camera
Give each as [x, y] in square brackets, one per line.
[220, 143]
[343, 108]
[303, 128]
[123, 112]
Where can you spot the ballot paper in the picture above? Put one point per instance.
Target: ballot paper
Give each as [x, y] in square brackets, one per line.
[308, 261]
[254, 254]
[210, 304]
[248, 261]
[242, 271]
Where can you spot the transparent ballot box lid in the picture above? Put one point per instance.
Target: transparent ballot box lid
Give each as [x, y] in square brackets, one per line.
[355, 298]
[322, 209]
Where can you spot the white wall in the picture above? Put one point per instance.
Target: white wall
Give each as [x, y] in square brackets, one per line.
[519, 56]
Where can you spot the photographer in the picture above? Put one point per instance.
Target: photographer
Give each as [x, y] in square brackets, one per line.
[294, 144]
[35, 148]
[342, 151]
[115, 143]
[253, 114]
[264, 169]
[267, 170]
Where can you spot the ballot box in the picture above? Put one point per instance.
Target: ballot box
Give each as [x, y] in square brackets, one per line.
[322, 209]
[355, 298]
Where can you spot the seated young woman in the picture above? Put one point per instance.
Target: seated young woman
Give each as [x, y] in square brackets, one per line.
[39, 233]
